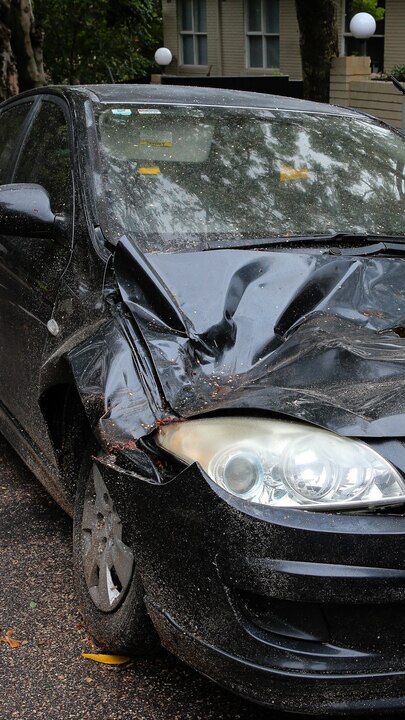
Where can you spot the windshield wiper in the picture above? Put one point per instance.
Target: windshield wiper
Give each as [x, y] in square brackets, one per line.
[336, 243]
[380, 248]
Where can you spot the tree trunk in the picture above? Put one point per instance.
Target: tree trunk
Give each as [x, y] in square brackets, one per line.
[8, 67]
[27, 41]
[319, 44]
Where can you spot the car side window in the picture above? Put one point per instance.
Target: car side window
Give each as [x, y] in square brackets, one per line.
[11, 122]
[45, 157]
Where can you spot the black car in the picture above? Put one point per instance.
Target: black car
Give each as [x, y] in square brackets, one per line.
[202, 323]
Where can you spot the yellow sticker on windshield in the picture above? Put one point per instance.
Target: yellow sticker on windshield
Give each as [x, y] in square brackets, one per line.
[156, 139]
[289, 173]
[149, 171]
[156, 143]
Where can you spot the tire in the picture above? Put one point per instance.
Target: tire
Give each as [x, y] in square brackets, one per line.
[107, 582]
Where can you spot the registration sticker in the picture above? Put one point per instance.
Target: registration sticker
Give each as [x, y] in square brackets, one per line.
[122, 111]
[149, 111]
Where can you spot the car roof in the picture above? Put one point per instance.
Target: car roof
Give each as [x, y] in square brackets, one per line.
[179, 94]
[185, 95]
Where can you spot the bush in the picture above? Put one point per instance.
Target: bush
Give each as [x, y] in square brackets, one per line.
[369, 6]
[399, 72]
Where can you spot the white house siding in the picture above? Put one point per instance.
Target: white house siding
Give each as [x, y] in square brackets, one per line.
[290, 58]
[171, 38]
[233, 37]
[394, 46]
[227, 39]
[234, 40]
[213, 37]
[170, 34]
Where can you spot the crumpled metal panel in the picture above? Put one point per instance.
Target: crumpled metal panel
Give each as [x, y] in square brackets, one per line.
[309, 335]
[114, 387]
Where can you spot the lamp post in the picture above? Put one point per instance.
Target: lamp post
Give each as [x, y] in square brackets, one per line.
[163, 57]
[362, 25]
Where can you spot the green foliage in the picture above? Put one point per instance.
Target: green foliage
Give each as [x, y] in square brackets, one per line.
[368, 6]
[398, 71]
[98, 41]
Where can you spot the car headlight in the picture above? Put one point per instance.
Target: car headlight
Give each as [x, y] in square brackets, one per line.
[284, 464]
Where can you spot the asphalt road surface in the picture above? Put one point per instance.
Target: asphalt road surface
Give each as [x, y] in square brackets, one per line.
[45, 676]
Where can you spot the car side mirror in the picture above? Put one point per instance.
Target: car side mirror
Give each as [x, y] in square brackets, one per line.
[25, 210]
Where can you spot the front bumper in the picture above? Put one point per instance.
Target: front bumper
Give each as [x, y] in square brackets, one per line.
[299, 692]
[300, 611]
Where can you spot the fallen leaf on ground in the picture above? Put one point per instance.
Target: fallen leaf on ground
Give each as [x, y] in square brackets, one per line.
[9, 640]
[107, 659]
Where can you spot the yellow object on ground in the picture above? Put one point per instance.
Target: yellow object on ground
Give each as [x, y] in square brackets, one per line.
[107, 659]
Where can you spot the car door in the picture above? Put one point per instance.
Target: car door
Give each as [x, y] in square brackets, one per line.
[31, 268]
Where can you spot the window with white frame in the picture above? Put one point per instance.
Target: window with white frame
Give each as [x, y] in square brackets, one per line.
[263, 33]
[193, 32]
[373, 46]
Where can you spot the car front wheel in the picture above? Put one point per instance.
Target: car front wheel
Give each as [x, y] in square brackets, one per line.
[106, 578]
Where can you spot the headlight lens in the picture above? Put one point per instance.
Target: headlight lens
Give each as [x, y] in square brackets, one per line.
[285, 464]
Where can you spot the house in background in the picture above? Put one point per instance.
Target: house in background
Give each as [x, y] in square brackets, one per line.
[260, 37]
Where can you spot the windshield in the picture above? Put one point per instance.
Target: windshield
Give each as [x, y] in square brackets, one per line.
[179, 178]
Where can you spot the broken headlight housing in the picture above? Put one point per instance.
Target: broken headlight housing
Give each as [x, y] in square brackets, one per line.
[285, 464]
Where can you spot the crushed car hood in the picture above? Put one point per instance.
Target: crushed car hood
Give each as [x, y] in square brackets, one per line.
[303, 334]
